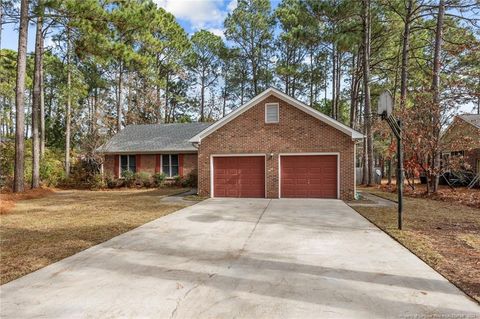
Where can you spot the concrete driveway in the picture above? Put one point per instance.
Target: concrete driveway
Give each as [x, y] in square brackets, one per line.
[226, 258]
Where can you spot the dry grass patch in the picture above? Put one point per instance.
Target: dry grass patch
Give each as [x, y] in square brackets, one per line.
[8, 198]
[445, 235]
[38, 232]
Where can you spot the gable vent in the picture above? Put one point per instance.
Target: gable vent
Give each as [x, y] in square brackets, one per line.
[271, 113]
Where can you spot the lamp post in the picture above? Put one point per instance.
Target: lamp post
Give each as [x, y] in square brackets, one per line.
[385, 107]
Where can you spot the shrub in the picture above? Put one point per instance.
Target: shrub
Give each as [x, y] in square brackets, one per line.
[52, 172]
[112, 182]
[129, 178]
[177, 180]
[158, 179]
[142, 179]
[97, 182]
[191, 180]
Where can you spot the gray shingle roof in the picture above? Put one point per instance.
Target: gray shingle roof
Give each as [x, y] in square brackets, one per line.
[150, 138]
[473, 119]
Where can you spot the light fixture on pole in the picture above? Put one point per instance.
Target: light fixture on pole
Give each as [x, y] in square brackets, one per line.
[385, 109]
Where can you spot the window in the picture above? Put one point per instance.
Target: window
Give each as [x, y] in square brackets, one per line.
[128, 163]
[170, 165]
[271, 113]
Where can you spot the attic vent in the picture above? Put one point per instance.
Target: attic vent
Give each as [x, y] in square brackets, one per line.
[271, 113]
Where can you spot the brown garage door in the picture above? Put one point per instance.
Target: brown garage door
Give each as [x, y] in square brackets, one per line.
[311, 176]
[239, 176]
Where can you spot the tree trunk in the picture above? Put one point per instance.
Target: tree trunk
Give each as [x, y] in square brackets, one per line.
[224, 99]
[95, 110]
[68, 108]
[338, 83]
[389, 172]
[334, 80]
[167, 79]
[1, 23]
[311, 77]
[202, 98]
[405, 51]
[42, 106]
[255, 78]
[436, 112]
[120, 96]
[36, 101]
[353, 93]
[18, 183]
[366, 87]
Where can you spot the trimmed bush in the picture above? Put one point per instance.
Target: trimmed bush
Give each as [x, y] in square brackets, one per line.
[158, 179]
[143, 179]
[97, 182]
[129, 178]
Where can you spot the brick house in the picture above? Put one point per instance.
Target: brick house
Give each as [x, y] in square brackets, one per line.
[462, 138]
[273, 146]
[152, 148]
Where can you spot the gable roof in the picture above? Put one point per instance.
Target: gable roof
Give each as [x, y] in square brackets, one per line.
[296, 103]
[473, 119]
[151, 138]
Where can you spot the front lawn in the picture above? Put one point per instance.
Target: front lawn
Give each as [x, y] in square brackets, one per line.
[40, 231]
[446, 235]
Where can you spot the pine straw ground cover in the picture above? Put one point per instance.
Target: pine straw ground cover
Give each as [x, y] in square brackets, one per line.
[8, 198]
[40, 231]
[446, 235]
[462, 195]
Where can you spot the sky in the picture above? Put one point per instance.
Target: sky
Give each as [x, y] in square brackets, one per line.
[192, 15]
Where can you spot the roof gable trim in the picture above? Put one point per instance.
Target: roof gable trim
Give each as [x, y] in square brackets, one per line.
[294, 102]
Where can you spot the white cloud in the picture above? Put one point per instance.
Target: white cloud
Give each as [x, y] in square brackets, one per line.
[218, 31]
[200, 13]
[232, 5]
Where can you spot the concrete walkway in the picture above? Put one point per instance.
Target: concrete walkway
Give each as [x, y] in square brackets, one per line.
[242, 259]
[377, 201]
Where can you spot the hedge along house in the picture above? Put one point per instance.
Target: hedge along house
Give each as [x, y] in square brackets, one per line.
[273, 146]
[152, 148]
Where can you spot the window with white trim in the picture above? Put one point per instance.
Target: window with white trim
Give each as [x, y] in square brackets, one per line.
[271, 113]
[128, 163]
[170, 165]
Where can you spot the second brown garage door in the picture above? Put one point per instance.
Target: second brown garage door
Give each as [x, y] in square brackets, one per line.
[309, 176]
[239, 176]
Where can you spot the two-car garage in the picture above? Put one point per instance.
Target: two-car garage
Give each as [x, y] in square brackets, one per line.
[300, 176]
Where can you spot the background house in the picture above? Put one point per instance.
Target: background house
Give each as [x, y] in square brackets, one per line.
[462, 139]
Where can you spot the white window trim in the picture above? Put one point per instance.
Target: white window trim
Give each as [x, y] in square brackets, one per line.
[212, 156]
[278, 113]
[169, 174]
[307, 154]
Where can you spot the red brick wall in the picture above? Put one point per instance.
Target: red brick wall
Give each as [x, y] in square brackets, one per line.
[109, 165]
[190, 162]
[297, 132]
[148, 163]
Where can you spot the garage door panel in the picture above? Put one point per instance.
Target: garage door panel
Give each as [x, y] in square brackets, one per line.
[309, 176]
[242, 176]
